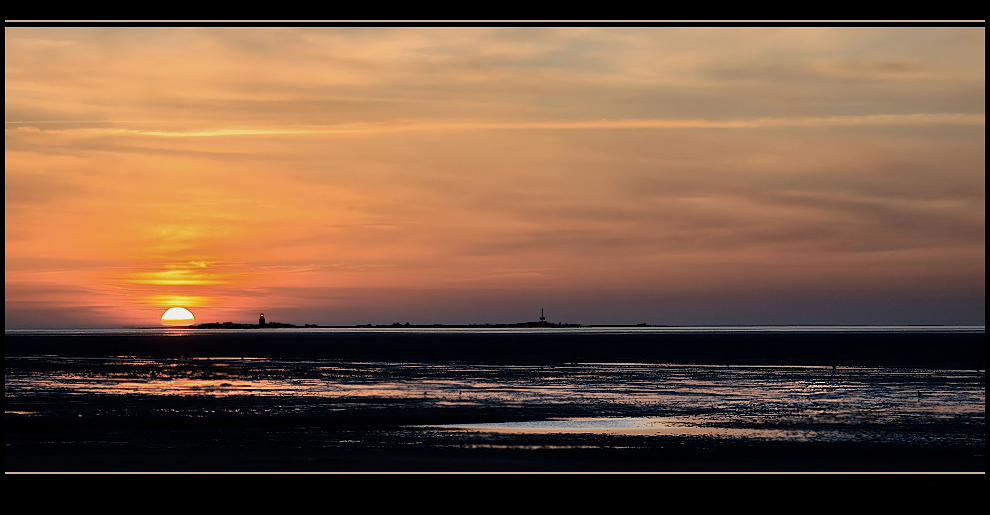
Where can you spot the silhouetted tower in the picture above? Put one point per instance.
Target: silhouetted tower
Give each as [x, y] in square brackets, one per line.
[542, 318]
[261, 319]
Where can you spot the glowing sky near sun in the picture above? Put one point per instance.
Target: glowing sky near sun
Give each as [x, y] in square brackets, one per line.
[475, 174]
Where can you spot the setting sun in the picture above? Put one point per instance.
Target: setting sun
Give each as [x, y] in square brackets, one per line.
[675, 175]
[178, 317]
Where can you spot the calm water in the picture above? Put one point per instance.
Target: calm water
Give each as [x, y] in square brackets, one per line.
[736, 402]
[807, 403]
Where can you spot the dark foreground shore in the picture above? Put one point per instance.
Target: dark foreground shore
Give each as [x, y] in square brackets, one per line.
[208, 435]
[223, 448]
[370, 417]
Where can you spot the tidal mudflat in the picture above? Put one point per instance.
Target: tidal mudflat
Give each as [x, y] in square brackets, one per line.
[69, 411]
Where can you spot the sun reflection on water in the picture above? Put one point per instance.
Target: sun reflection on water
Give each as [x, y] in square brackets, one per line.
[637, 399]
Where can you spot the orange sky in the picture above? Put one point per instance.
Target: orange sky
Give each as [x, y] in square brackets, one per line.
[470, 175]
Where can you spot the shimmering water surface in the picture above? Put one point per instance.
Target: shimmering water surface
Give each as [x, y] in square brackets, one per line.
[726, 401]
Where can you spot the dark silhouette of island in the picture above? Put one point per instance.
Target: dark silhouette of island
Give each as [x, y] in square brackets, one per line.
[263, 324]
[232, 325]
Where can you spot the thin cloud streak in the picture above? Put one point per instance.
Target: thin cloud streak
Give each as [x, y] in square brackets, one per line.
[354, 175]
[891, 120]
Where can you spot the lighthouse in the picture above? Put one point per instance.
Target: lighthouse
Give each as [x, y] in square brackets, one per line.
[261, 319]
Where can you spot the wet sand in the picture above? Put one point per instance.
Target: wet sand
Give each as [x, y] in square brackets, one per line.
[374, 440]
[136, 432]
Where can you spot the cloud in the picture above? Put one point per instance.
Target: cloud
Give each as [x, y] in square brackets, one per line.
[303, 162]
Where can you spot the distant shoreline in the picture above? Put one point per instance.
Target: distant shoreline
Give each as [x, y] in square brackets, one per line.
[274, 325]
[718, 328]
